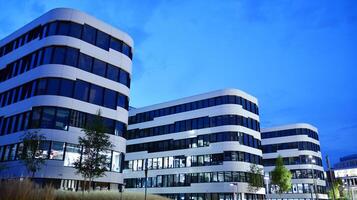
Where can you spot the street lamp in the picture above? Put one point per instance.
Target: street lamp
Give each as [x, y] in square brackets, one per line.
[266, 180]
[235, 192]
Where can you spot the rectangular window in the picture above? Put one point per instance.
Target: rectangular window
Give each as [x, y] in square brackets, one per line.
[122, 101]
[96, 95]
[124, 77]
[126, 50]
[66, 88]
[63, 28]
[73, 154]
[58, 55]
[71, 56]
[75, 30]
[36, 116]
[99, 67]
[102, 40]
[81, 90]
[85, 62]
[48, 117]
[116, 161]
[53, 85]
[110, 99]
[62, 119]
[115, 44]
[52, 28]
[89, 34]
[47, 55]
[43, 150]
[112, 72]
[57, 149]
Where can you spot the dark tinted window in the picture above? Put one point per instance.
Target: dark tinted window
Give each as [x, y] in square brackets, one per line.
[63, 28]
[52, 28]
[62, 119]
[112, 72]
[124, 78]
[115, 44]
[126, 50]
[53, 86]
[122, 101]
[89, 34]
[110, 99]
[81, 90]
[85, 62]
[96, 95]
[99, 67]
[71, 57]
[48, 116]
[41, 87]
[75, 30]
[66, 88]
[102, 40]
[58, 56]
[47, 55]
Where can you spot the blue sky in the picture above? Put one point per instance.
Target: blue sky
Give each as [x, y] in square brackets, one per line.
[299, 58]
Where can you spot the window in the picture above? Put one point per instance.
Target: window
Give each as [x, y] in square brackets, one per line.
[62, 119]
[89, 34]
[43, 149]
[48, 116]
[109, 99]
[85, 62]
[126, 50]
[75, 30]
[58, 55]
[71, 57]
[57, 149]
[63, 28]
[73, 154]
[122, 101]
[36, 116]
[96, 95]
[115, 44]
[52, 29]
[116, 161]
[53, 86]
[124, 77]
[112, 72]
[102, 40]
[47, 55]
[99, 67]
[66, 88]
[81, 90]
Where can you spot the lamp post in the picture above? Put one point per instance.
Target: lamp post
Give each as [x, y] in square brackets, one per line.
[235, 192]
[146, 177]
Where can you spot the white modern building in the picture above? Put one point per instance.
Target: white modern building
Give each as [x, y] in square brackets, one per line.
[299, 146]
[199, 147]
[346, 170]
[55, 74]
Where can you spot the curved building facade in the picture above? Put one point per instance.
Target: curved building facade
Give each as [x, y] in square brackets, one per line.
[299, 146]
[55, 74]
[199, 147]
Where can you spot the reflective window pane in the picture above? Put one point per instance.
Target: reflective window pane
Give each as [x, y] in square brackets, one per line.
[96, 95]
[81, 90]
[73, 153]
[89, 34]
[57, 149]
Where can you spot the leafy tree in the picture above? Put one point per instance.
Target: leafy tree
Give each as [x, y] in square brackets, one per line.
[95, 143]
[255, 180]
[31, 155]
[281, 176]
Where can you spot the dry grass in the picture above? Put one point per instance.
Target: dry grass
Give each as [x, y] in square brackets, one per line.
[26, 190]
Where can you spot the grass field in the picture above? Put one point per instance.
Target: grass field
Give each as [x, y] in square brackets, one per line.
[26, 190]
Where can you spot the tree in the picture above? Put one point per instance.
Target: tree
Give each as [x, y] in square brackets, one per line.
[31, 155]
[95, 143]
[255, 180]
[281, 176]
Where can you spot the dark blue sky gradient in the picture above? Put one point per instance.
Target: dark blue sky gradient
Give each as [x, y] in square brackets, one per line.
[299, 58]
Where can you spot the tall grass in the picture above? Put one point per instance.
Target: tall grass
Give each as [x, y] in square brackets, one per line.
[24, 190]
[27, 190]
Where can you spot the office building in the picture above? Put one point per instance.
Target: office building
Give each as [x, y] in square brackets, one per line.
[199, 147]
[56, 72]
[299, 146]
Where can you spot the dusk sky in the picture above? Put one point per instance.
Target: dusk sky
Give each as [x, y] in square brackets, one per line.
[299, 58]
